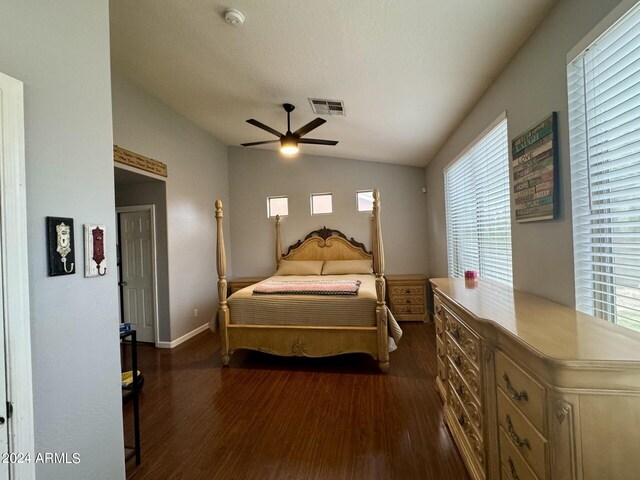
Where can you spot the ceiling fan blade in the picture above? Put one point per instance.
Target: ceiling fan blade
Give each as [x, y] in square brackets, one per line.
[251, 144]
[309, 126]
[316, 141]
[261, 125]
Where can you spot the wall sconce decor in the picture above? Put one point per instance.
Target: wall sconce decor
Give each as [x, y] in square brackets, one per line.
[61, 246]
[95, 263]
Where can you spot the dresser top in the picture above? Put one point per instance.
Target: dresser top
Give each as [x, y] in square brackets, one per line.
[553, 330]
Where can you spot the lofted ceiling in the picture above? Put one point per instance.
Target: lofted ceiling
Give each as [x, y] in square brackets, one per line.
[407, 70]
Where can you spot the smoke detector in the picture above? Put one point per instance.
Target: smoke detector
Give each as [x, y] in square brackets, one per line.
[233, 17]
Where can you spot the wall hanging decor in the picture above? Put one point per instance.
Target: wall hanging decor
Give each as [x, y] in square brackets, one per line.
[135, 160]
[61, 246]
[534, 164]
[95, 263]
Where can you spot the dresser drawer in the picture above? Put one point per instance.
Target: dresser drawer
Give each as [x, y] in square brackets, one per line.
[442, 370]
[467, 369]
[522, 435]
[463, 336]
[471, 435]
[437, 307]
[407, 300]
[527, 394]
[439, 328]
[469, 401]
[514, 467]
[440, 349]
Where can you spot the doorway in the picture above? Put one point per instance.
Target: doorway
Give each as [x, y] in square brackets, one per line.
[137, 270]
[142, 254]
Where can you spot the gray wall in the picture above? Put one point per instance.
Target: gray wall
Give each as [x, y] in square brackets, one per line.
[153, 193]
[532, 85]
[197, 176]
[60, 50]
[255, 174]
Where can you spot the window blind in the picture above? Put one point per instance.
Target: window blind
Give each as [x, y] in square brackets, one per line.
[604, 128]
[478, 209]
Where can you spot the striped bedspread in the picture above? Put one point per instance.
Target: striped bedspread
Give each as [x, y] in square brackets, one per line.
[308, 287]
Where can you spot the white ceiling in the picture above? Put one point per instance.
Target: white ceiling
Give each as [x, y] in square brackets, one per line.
[407, 70]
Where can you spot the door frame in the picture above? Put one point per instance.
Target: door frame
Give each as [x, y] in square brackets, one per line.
[154, 260]
[15, 275]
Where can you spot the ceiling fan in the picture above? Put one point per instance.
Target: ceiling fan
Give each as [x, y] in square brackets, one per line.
[289, 141]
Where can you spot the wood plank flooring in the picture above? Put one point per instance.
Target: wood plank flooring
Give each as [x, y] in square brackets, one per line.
[292, 418]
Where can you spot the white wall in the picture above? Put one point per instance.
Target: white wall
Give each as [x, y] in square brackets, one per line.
[60, 50]
[197, 176]
[532, 85]
[255, 174]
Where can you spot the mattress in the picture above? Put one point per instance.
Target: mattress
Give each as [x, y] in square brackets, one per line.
[359, 310]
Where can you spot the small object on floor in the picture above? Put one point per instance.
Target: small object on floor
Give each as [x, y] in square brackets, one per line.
[127, 379]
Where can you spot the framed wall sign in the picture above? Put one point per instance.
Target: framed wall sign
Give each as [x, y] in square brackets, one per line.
[95, 263]
[60, 246]
[534, 164]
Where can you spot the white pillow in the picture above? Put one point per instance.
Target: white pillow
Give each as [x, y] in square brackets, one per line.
[346, 267]
[300, 267]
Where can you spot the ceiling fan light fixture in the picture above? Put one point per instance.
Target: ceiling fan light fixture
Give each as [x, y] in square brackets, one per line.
[288, 146]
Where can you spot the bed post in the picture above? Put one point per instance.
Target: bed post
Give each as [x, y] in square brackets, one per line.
[278, 242]
[223, 309]
[378, 268]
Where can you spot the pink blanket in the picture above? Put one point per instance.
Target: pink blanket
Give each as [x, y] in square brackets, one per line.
[308, 287]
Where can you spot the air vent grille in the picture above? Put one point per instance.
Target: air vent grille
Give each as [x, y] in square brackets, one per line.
[327, 107]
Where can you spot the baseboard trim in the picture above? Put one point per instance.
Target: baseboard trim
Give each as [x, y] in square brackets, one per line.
[183, 338]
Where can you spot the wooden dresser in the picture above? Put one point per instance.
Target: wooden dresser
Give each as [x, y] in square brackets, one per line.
[533, 389]
[407, 296]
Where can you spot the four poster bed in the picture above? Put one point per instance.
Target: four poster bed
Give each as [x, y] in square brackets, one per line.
[327, 298]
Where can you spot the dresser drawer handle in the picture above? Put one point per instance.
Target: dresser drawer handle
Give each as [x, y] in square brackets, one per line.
[516, 395]
[441, 355]
[456, 333]
[438, 310]
[515, 438]
[461, 420]
[460, 390]
[457, 360]
[512, 468]
[438, 331]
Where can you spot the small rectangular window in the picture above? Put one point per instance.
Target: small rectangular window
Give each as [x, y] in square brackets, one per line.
[277, 206]
[364, 200]
[321, 203]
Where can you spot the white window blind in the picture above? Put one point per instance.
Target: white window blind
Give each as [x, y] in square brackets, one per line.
[478, 209]
[604, 127]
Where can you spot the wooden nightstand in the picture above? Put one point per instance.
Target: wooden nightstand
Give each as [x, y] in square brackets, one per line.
[241, 282]
[407, 297]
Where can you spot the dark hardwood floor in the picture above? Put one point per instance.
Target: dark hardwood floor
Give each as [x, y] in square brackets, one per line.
[292, 418]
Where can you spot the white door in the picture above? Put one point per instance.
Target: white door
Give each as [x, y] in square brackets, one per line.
[138, 271]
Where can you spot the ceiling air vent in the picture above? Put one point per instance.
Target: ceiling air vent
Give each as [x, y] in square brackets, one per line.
[327, 107]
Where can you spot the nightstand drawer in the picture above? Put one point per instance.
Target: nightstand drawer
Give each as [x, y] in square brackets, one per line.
[526, 394]
[407, 300]
[408, 290]
[407, 309]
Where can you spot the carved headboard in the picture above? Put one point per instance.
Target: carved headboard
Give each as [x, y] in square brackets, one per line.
[327, 244]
